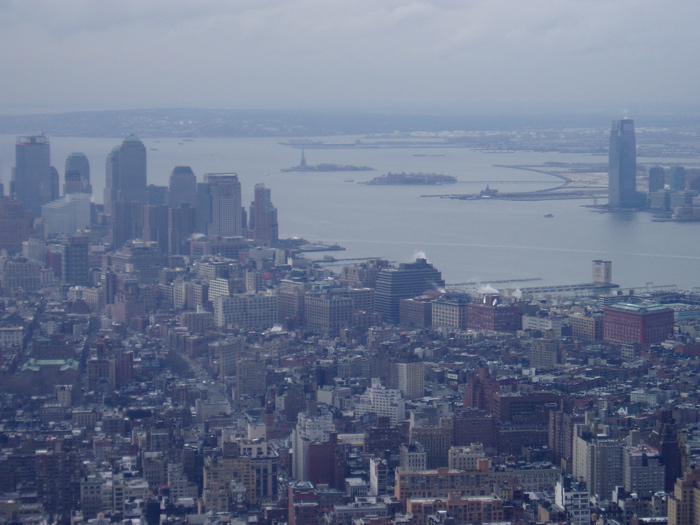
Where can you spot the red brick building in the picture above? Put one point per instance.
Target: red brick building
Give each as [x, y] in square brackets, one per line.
[303, 506]
[464, 509]
[326, 462]
[632, 323]
[491, 314]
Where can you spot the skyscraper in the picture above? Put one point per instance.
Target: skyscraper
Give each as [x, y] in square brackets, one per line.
[263, 217]
[126, 174]
[657, 178]
[181, 223]
[16, 225]
[622, 166]
[226, 210]
[404, 282]
[67, 214]
[77, 174]
[676, 176]
[202, 208]
[411, 379]
[155, 226]
[182, 188]
[126, 222]
[75, 260]
[31, 176]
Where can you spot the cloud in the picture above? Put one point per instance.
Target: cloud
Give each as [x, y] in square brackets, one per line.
[336, 54]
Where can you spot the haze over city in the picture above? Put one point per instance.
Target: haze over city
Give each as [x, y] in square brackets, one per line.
[406, 56]
[349, 262]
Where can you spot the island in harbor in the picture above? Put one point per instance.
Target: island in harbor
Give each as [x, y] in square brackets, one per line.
[303, 166]
[412, 178]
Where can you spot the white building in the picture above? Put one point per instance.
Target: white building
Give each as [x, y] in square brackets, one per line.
[307, 430]
[67, 214]
[413, 457]
[382, 401]
[544, 323]
[598, 460]
[378, 476]
[11, 336]
[411, 379]
[180, 487]
[35, 250]
[246, 311]
[465, 458]
[575, 502]
[220, 286]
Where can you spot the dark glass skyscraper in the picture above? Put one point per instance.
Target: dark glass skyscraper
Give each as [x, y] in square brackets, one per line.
[126, 174]
[75, 260]
[182, 188]
[77, 174]
[32, 180]
[263, 217]
[622, 166]
[404, 282]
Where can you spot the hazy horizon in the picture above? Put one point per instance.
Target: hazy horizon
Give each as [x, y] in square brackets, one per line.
[421, 56]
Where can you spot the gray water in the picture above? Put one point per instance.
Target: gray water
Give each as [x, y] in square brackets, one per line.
[485, 240]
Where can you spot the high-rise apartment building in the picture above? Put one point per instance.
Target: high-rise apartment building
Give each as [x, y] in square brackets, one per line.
[251, 379]
[58, 475]
[225, 198]
[643, 470]
[404, 282]
[308, 429]
[32, 179]
[598, 459]
[263, 217]
[622, 167]
[411, 379]
[126, 174]
[16, 225]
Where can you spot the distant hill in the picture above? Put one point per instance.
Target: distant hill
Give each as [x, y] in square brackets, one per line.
[260, 123]
[269, 123]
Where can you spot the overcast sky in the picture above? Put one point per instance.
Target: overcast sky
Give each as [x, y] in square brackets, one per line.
[423, 55]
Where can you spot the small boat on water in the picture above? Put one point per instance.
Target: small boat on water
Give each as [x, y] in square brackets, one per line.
[548, 216]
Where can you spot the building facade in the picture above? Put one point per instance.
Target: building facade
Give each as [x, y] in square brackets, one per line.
[225, 201]
[406, 281]
[125, 175]
[32, 178]
[632, 323]
[263, 217]
[622, 165]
